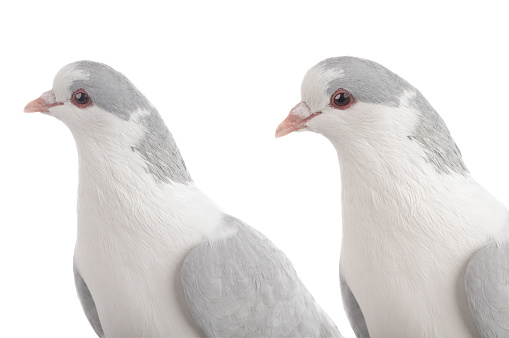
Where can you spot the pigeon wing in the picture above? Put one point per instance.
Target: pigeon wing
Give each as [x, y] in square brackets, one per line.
[353, 310]
[242, 285]
[487, 288]
[87, 302]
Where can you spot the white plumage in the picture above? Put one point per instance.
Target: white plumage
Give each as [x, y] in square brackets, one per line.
[412, 215]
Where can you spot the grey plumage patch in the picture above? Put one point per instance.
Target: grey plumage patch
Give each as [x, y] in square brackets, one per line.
[366, 80]
[433, 135]
[111, 91]
[243, 286]
[160, 151]
[372, 83]
[87, 303]
[353, 310]
[486, 281]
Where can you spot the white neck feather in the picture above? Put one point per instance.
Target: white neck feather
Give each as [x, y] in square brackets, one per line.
[133, 233]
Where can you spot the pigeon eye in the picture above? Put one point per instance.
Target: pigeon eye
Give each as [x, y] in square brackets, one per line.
[341, 99]
[81, 99]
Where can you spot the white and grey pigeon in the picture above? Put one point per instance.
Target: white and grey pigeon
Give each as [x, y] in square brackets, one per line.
[425, 249]
[154, 256]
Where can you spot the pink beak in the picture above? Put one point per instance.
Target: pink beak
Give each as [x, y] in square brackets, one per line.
[297, 119]
[43, 103]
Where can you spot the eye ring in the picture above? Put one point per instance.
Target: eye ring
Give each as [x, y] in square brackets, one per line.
[81, 99]
[341, 99]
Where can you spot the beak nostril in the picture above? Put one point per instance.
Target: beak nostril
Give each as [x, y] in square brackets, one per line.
[296, 120]
[49, 97]
[46, 101]
[301, 110]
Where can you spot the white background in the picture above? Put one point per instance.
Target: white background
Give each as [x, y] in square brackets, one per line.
[223, 75]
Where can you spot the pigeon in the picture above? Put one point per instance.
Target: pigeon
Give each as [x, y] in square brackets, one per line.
[154, 256]
[425, 250]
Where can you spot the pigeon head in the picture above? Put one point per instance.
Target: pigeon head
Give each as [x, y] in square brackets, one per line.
[103, 109]
[86, 92]
[366, 110]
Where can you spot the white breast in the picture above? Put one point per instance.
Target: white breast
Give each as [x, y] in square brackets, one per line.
[133, 234]
[405, 250]
[408, 229]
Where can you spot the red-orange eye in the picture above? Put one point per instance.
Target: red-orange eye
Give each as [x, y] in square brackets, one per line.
[81, 99]
[341, 99]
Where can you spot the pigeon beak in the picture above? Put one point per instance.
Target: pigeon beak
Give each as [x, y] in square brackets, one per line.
[296, 120]
[43, 103]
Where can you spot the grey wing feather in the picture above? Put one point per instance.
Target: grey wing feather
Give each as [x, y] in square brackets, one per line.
[87, 302]
[353, 310]
[487, 288]
[243, 286]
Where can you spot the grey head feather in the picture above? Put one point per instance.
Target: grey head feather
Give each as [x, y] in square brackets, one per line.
[159, 150]
[366, 80]
[433, 135]
[370, 82]
[111, 91]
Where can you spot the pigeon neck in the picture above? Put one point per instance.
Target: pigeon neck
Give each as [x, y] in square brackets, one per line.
[390, 172]
[140, 145]
[117, 187]
[159, 151]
